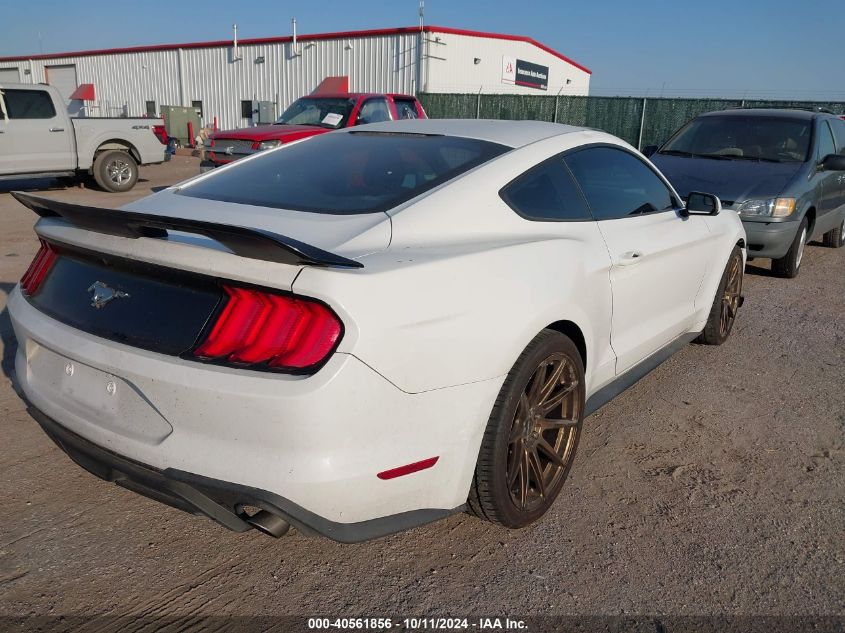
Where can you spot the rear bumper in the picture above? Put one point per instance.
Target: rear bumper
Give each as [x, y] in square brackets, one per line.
[220, 501]
[309, 446]
[769, 239]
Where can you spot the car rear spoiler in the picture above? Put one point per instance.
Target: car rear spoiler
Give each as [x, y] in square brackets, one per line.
[243, 241]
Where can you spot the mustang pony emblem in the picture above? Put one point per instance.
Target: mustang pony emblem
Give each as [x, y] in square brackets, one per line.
[103, 294]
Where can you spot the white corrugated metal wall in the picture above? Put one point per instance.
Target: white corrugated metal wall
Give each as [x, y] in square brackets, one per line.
[451, 66]
[384, 63]
[377, 63]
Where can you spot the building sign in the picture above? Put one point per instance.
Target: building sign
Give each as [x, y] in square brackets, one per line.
[522, 73]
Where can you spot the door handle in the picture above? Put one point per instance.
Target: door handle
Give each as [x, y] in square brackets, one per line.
[630, 258]
[57, 129]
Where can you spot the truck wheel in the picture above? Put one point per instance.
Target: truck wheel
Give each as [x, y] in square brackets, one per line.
[788, 265]
[722, 315]
[532, 434]
[835, 238]
[115, 170]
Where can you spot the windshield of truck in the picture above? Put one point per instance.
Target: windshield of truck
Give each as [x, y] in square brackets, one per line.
[331, 113]
[733, 137]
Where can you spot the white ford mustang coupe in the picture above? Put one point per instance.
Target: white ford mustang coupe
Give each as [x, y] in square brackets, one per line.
[370, 329]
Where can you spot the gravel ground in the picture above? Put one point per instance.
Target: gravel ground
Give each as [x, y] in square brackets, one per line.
[713, 487]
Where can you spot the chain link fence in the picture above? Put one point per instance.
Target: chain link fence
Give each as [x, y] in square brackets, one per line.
[640, 121]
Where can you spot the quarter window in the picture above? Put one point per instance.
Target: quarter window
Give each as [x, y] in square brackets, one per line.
[618, 184]
[548, 193]
[28, 104]
[826, 145]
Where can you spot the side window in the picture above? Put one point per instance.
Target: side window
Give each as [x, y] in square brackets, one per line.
[618, 184]
[29, 104]
[405, 108]
[373, 111]
[825, 145]
[839, 132]
[546, 193]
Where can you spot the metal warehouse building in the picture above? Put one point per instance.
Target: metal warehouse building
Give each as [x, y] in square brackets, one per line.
[223, 78]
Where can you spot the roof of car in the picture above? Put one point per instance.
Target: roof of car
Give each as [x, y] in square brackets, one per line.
[510, 133]
[782, 113]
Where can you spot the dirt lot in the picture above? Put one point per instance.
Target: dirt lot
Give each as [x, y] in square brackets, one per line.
[716, 486]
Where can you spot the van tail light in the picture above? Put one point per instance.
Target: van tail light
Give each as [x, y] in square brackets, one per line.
[38, 269]
[272, 331]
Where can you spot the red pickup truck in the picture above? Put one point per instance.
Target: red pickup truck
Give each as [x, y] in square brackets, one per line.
[309, 116]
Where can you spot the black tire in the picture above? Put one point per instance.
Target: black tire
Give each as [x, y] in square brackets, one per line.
[513, 430]
[115, 170]
[722, 315]
[835, 238]
[788, 265]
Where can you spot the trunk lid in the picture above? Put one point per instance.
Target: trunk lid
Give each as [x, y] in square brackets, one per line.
[133, 303]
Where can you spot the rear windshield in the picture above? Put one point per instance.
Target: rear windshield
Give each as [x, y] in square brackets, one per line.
[743, 138]
[346, 172]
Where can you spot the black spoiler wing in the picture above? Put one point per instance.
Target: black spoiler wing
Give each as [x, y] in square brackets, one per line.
[243, 241]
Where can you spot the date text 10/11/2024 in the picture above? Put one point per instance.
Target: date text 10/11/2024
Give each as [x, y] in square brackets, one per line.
[417, 624]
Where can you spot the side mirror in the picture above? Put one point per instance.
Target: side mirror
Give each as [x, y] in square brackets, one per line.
[703, 204]
[833, 162]
[650, 150]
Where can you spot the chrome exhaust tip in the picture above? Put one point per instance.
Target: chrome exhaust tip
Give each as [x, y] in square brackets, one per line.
[268, 523]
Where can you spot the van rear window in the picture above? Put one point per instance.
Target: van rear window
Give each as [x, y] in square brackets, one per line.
[346, 172]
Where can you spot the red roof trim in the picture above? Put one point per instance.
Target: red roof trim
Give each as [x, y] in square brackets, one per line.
[285, 39]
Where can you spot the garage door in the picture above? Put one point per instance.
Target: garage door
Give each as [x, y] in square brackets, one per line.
[9, 76]
[63, 79]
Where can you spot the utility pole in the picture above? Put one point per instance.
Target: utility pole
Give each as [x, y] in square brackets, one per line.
[418, 79]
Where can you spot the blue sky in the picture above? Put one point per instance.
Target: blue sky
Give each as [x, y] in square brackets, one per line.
[770, 48]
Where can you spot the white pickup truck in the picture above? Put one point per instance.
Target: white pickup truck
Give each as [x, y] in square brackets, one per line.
[39, 139]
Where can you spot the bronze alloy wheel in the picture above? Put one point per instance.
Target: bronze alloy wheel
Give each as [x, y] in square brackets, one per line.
[726, 302]
[731, 297]
[532, 434]
[543, 432]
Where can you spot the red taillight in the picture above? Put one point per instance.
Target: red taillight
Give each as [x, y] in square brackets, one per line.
[38, 269]
[276, 331]
[161, 133]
